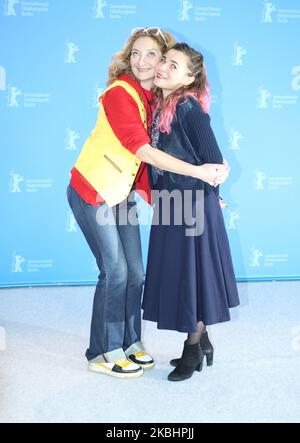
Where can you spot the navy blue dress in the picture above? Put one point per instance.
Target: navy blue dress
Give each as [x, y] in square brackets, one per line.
[188, 278]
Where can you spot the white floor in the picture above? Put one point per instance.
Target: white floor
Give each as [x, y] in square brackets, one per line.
[44, 377]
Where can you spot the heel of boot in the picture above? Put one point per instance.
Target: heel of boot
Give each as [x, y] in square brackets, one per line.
[200, 366]
[210, 358]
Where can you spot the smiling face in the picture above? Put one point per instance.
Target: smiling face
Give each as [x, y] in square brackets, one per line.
[173, 72]
[145, 56]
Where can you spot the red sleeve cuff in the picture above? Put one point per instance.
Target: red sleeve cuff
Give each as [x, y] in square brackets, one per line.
[137, 144]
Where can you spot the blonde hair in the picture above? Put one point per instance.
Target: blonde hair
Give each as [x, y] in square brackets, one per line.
[121, 60]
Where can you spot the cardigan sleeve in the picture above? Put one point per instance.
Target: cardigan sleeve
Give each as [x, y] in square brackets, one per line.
[198, 129]
[124, 118]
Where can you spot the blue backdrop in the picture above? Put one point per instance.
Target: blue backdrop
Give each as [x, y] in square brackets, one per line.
[54, 57]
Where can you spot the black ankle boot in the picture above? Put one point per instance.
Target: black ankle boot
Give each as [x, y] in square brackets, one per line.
[207, 349]
[190, 361]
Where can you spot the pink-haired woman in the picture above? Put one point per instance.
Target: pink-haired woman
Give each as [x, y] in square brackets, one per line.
[190, 280]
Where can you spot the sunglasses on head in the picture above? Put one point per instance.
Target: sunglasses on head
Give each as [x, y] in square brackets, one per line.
[150, 31]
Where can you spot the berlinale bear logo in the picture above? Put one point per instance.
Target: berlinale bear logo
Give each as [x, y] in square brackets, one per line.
[2, 79]
[10, 7]
[296, 79]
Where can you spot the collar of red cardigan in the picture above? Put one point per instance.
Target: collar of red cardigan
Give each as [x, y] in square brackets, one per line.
[132, 82]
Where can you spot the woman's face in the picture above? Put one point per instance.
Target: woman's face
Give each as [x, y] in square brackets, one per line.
[145, 56]
[172, 72]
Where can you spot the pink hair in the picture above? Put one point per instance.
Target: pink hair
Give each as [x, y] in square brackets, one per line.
[199, 89]
[169, 108]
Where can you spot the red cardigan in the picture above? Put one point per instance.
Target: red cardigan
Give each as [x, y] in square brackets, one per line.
[124, 118]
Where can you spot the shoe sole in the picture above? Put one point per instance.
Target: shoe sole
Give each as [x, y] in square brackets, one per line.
[100, 369]
[179, 379]
[149, 366]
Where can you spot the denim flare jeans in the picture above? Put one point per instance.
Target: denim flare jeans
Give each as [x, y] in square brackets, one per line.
[116, 317]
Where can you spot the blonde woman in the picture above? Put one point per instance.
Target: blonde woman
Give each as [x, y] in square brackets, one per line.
[110, 166]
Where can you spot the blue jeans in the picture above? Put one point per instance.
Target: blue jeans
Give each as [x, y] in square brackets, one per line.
[116, 317]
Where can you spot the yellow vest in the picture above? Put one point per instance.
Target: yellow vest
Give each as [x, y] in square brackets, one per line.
[104, 162]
